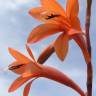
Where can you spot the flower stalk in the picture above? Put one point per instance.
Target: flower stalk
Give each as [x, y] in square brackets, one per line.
[89, 66]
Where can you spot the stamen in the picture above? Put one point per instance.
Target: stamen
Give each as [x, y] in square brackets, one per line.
[52, 16]
[15, 67]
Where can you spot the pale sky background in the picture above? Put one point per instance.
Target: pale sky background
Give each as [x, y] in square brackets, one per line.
[15, 26]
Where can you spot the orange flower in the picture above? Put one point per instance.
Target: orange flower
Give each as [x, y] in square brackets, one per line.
[29, 69]
[56, 20]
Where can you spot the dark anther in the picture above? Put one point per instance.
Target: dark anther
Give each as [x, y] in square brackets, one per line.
[15, 67]
[52, 16]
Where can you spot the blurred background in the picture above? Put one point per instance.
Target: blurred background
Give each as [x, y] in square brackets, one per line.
[15, 26]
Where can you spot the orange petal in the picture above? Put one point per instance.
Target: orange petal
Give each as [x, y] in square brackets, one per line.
[32, 68]
[72, 8]
[17, 67]
[53, 6]
[20, 81]
[47, 52]
[43, 31]
[61, 46]
[18, 56]
[30, 73]
[75, 23]
[58, 76]
[82, 44]
[27, 74]
[39, 13]
[64, 22]
[72, 32]
[17, 83]
[27, 88]
[30, 52]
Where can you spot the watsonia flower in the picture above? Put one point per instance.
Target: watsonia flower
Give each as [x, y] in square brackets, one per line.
[29, 70]
[56, 20]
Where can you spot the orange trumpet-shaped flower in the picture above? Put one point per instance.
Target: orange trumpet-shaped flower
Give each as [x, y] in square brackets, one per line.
[29, 69]
[57, 20]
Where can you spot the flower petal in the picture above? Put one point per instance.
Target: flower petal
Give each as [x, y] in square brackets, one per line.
[18, 56]
[44, 15]
[58, 76]
[27, 88]
[72, 8]
[53, 6]
[61, 46]
[47, 52]
[82, 44]
[30, 52]
[75, 23]
[20, 81]
[32, 68]
[25, 65]
[64, 22]
[43, 31]
[72, 32]
[39, 13]
[17, 83]
[17, 67]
